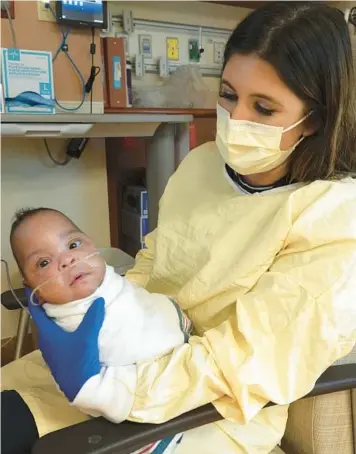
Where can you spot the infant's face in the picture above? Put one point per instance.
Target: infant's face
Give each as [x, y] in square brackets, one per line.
[48, 246]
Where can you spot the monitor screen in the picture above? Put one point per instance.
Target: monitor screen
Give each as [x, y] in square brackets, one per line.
[85, 13]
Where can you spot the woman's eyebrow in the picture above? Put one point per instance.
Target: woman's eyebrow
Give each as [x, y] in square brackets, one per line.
[267, 98]
[225, 82]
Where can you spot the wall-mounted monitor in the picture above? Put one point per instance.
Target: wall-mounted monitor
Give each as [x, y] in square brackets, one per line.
[82, 13]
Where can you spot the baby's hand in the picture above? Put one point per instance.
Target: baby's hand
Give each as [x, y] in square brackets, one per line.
[73, 358]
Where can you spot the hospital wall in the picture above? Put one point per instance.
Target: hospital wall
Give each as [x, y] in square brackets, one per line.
[194, 13]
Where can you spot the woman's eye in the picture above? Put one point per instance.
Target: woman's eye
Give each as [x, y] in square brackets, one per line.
[263, 110]
[227, 95]
[74, 244]
[43, 263]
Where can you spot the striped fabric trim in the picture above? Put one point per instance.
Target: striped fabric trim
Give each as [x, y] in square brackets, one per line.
[163, 445]
[167, 445]
[147, 449]
[250, 189]
[184, 322]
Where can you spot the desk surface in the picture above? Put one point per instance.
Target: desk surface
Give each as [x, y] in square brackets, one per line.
[87, 125]
[97, 118]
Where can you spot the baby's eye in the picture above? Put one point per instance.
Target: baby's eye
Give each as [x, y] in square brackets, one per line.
[74, 244]
[43, 263]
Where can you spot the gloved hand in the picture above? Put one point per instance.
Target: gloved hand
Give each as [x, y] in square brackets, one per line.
[73, 358]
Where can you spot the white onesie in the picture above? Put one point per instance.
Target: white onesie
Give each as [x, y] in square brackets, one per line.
[138, 326]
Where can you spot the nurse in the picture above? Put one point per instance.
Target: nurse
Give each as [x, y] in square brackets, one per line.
[256, 240]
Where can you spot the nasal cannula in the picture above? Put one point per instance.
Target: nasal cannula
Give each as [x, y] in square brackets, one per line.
[31, 301]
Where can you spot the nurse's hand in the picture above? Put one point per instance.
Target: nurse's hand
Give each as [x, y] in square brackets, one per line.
[73, 358]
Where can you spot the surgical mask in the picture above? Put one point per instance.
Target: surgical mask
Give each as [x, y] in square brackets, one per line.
[251, 148]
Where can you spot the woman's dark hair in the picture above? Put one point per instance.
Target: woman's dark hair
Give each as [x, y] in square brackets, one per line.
[308, 44]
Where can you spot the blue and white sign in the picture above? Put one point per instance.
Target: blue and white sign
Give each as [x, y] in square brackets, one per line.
[27, 78]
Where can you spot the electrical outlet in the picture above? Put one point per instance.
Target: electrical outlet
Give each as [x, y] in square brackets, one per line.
[218, 52]
[128, 22]
[7, 6]
[139, 65]
[163, 67]
[43, 11]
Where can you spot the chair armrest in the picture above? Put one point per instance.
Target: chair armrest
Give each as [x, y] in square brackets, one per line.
[334, 379]
[99, 436]
[9, 302]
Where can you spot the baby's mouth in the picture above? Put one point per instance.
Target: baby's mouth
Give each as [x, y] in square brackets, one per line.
[78, 277]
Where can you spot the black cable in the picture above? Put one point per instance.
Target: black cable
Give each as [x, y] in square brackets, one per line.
[92, 51]
[53, 159]
[94, 70]
[63, 47]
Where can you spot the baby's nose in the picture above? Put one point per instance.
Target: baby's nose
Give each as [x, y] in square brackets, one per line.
[67, 260]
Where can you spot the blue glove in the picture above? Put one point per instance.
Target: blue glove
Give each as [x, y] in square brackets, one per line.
[73, 358]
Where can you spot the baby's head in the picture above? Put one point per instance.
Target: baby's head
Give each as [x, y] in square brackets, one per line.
[49, 246]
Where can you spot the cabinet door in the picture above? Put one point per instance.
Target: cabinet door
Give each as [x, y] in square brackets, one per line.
[204, 130]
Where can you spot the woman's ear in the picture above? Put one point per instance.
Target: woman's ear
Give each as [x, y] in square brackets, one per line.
[312, 125]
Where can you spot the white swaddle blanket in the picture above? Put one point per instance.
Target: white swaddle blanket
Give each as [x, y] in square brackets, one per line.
[138, 326]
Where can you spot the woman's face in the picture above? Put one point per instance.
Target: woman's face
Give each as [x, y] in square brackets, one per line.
[252, 90]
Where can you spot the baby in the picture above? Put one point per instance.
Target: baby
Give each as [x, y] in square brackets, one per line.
[51, 250]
